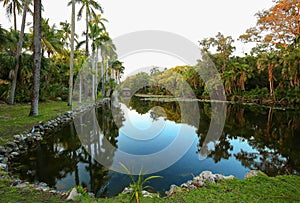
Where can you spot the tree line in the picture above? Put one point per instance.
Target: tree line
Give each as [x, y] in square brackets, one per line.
[270, 72]
[43, 63]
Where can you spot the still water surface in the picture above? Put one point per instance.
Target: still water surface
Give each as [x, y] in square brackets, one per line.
[254, 137]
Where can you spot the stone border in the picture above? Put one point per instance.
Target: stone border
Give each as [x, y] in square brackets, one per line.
[203, 179]
[19, 146]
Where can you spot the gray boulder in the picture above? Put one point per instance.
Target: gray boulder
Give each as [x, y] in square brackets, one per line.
[73, 194]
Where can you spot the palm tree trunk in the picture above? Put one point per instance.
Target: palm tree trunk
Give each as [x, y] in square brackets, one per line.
[93, 75]
[80, 87]
[15, 15]
[271, 81]
[86, 51]
[87, 32]
[37, 31]
[103, 75]
[72, 54]
[96, 77]
[19, 49]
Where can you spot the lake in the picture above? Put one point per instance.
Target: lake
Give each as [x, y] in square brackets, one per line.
[254, 137]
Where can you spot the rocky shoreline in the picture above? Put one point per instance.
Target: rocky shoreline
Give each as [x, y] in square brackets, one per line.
[203, 179]
[38, 132]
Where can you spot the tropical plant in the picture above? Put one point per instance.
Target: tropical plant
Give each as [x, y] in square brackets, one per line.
[138, 185]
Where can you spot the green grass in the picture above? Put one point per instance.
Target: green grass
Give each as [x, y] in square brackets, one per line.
[10, 194]
[14, 119]
[256, 189]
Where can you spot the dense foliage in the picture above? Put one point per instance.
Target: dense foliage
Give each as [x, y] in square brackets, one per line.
[56, 54]
[271, 71]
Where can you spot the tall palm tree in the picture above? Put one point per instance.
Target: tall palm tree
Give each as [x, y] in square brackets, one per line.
[90, 7]
[98, 36]
[13, 7]
[72, 53]
[37, 21]
[19, 49]
[108, 52]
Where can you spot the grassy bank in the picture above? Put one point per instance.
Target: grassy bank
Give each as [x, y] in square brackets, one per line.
[255, 189]
[14, 118]
[10, 194]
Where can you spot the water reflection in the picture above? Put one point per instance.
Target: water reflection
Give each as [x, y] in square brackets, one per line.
[253, 138]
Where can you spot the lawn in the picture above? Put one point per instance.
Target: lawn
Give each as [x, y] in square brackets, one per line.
[14, 119]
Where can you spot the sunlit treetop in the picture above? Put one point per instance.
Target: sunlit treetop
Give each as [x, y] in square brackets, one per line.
[279, 25]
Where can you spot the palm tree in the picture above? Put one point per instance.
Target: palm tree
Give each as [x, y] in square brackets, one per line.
[19, 49]
[13, 7]
[3, 37]
[90, 7]
[50, 40]
[37, 21]
[108, 52]
[98, 37]
[118, 67]
[72, 53]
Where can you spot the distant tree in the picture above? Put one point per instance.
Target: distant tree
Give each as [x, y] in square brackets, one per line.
[13, 7]
[277, 28]
[18, 54]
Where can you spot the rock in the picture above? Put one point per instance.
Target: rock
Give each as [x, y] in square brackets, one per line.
[41, 184]
[127, 190]
[218, 177]
[192, 187]
[54, 191]
[231, 177]
[17, 137]
[73, 194]
[146, 194]
[2, 150]
[201, 184]
[173, 189]
[184, 185]
[30, 172]
[5, 160]
[15, 154]
[9, 150]
[55, 124]
[16, 182]
[22, 185]
[205, 175]
[12, 145]
[251, 173]
[39, 138]
[3, 166]
[92, 195]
